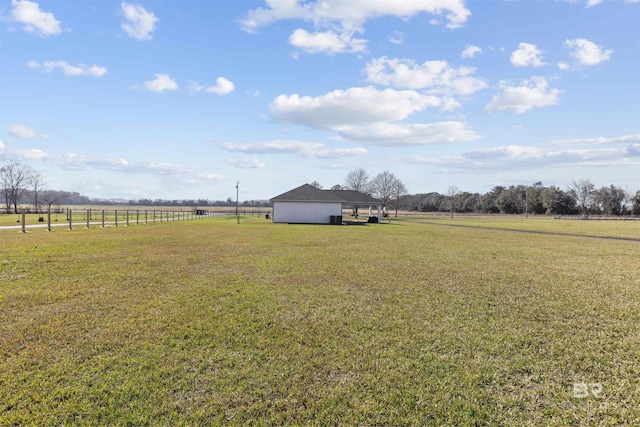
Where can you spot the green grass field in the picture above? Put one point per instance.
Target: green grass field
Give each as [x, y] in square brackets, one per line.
[410, 323]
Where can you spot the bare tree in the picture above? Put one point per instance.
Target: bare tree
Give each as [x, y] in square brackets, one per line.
[14, 178]
[51, 197]
[399, 189]
[583, 190]
[37, 181]
[357, 180]
[382, 186]
[452, 197]
[316, 184]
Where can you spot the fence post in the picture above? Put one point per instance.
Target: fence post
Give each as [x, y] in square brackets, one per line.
[70, 214]
[49, 219]
[127, 216]
[88, 217]
[24, 226]
[116, 211]
[137, 217]
[102, 218]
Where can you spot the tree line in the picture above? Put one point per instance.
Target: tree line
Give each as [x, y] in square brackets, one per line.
[20, 184]
[580, 198]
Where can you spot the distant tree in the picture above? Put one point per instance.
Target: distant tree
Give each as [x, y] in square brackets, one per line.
[14, 179]
[558, 202]
[336, 187]
[470, 202]
[610, 200]
[583, 191]
[357, 180]
[399, 190]
[488, 201]
[37, 181]
[512, 200]
[635, 203]
[429, 202]
[51, 197]
[316, 184]
[452, 198]
[382, 186]
[533, 198]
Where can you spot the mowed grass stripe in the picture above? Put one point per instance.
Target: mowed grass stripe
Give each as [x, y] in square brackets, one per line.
[622, 228]
[213, 322]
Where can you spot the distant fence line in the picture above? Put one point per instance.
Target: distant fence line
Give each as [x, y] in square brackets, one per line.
[119, 217]
[595, 217]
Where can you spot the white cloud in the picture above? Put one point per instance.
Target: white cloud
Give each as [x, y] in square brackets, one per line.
[449, 104]
[591, 3]
[76, 161]
[33, 19]
[272, 147]
[563, 65]
[436, 76]
[599, 140]
[313, 150]
[397, 37]
[328, 12]
[357, 105]
[470, 51]
[327, 42]
[367, 114]
[161, 83]
[139, 23]
[527, 55]
[518, 158]
[21, 131]
[337, 153]
[533, 93]
[410, 134]
[587, 52]
[515, 156]
[247, 163]
[69, 70]
[223, 87]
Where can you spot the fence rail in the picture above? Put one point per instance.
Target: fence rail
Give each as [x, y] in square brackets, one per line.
[88, 218]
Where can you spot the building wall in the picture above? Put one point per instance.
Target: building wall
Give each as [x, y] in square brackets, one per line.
[305, 212]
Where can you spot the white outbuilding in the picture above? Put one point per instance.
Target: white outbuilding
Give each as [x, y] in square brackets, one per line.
[310, 205]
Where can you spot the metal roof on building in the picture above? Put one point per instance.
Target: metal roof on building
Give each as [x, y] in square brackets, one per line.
[309, 193]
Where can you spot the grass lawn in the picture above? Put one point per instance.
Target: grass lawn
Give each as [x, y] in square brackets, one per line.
[212, 322]
[620, 228]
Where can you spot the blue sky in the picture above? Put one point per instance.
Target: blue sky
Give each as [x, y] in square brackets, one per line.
[180, 100]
